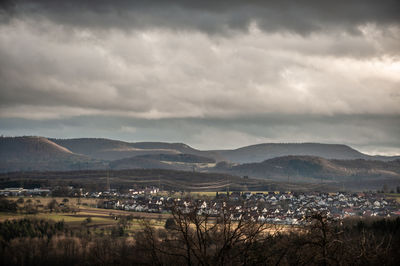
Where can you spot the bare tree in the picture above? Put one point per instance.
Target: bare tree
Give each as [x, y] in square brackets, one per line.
[199, 238]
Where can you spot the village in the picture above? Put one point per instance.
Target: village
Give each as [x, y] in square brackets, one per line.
[272, 207]
[290, 208]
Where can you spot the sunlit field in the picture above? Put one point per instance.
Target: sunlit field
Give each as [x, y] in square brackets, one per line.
[83, 211]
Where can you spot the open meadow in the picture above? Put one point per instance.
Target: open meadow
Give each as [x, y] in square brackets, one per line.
[76, 212]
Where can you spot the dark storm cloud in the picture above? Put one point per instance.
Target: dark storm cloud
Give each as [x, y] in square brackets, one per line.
[48, 71]
[213, 16]
[213, 74]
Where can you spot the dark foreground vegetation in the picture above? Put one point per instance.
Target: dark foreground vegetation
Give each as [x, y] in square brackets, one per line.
[191, 239]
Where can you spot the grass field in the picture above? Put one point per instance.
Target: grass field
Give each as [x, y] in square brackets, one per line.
[106, 218]
[99, 218]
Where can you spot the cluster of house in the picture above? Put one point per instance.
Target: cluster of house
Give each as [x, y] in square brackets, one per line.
[79, 192]
[19, 191]
[272, 207]
[114, 193]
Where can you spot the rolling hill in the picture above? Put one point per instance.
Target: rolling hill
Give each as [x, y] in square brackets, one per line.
[185, 162]
[107, 149]
[261, 152]
[138, 162]
[38, 153]
[31, 147]
[304, 161]
[181, 158]
[311, 168]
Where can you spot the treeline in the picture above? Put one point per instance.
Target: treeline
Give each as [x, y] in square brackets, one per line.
[34, 206]
[192, 239]
[29, 228]
[8, 205]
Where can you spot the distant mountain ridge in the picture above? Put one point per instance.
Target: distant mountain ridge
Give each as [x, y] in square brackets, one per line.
[107, 149]
[304, 168]
[39, 153]
[330, 164]
[265, 151]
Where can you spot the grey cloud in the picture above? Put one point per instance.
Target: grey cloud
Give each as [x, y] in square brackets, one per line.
[213, 74]
[213, 16]
[158, 73]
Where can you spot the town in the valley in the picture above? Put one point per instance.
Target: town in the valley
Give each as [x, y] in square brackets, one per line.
[276, 207]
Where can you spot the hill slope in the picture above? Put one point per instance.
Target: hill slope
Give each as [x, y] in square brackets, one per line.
[107, 149]
[261, 152]
[310, 168]
[37, 153]
[185, 162]
[180, 158]
[31, 147]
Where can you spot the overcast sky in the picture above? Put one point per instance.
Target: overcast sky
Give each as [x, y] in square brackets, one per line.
[212, 74]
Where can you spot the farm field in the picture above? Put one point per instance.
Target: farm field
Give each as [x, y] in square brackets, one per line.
[99, 218]
[84, 213]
